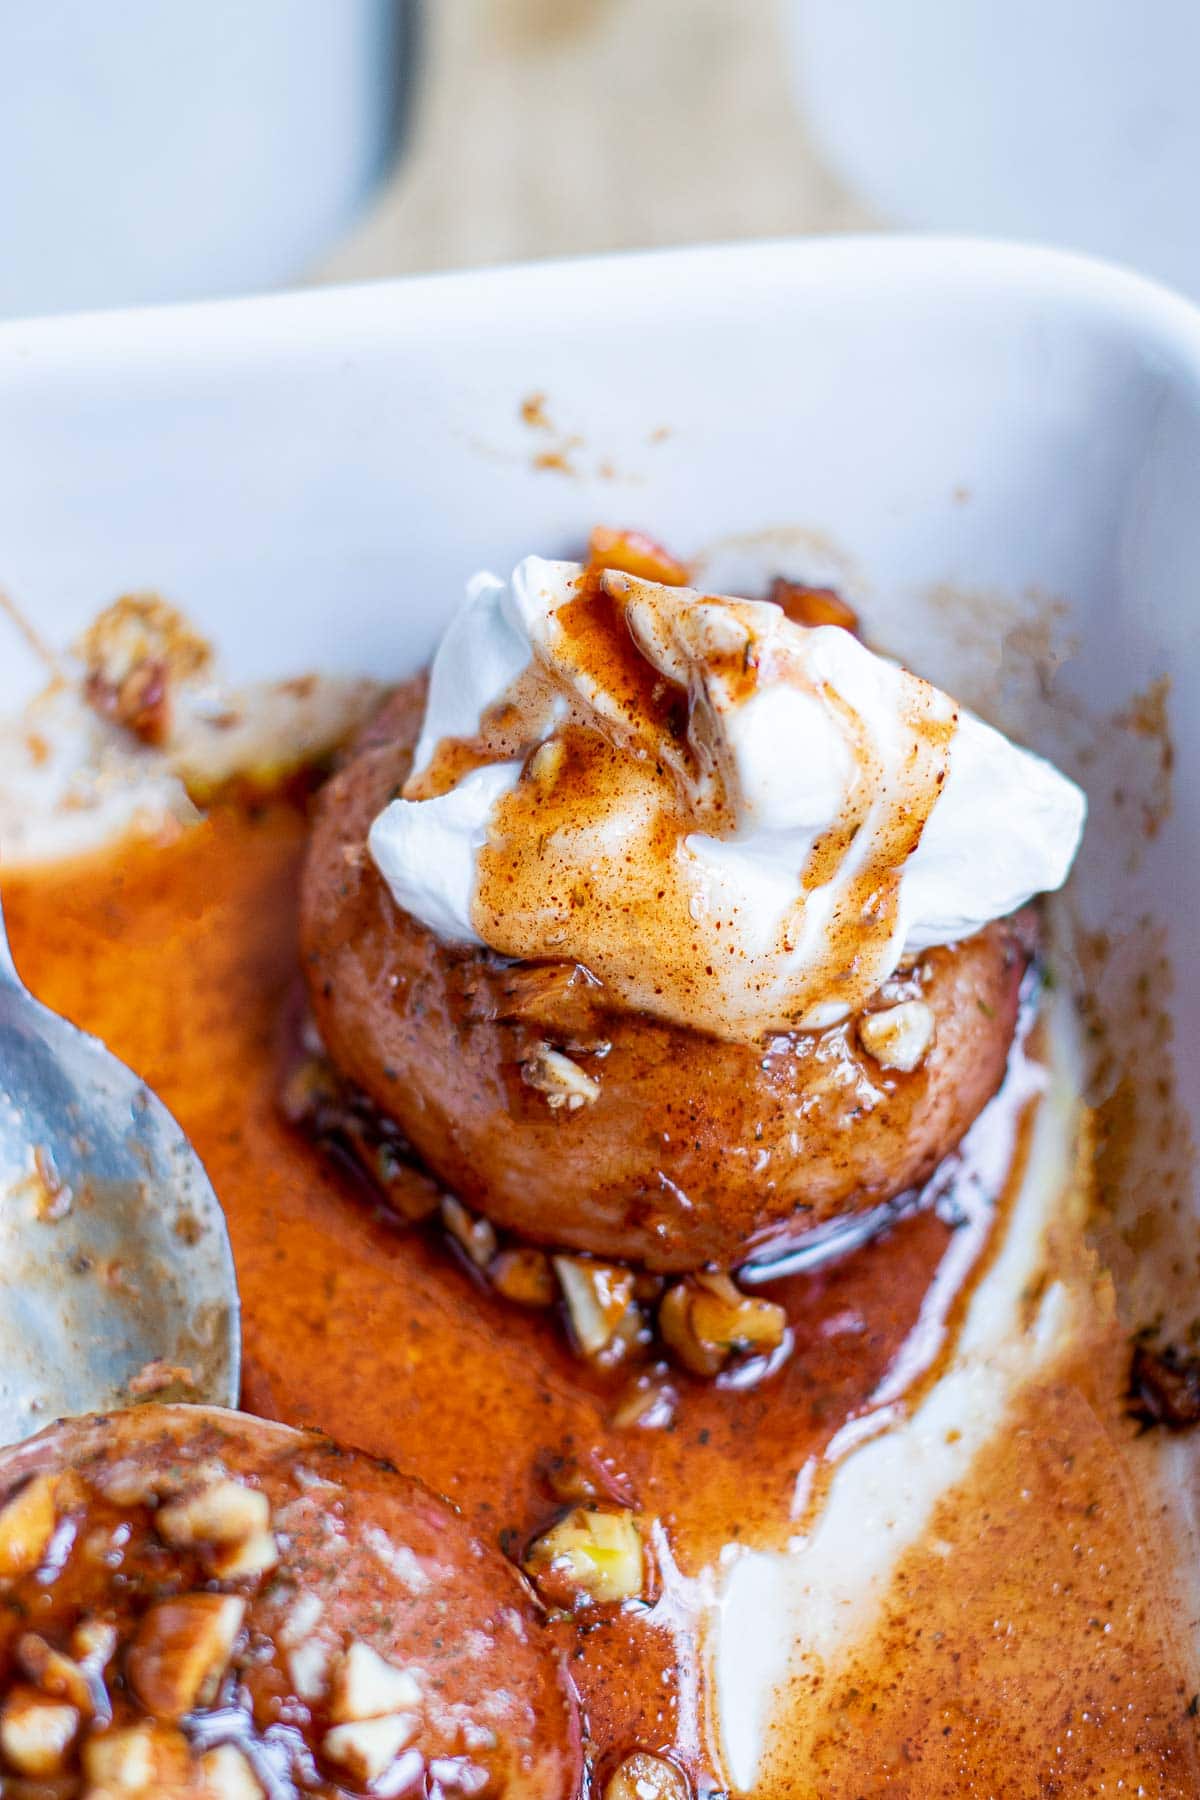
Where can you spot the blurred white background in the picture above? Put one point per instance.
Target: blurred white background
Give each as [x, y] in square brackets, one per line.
[164, 151]
[152, 152]
[554, 127]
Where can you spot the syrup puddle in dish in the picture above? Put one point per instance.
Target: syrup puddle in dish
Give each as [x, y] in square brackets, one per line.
[963, 1602]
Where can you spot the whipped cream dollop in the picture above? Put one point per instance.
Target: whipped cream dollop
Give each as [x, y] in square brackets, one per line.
[735, 822]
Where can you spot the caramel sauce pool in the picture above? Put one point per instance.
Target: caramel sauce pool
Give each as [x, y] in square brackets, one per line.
[182, 957]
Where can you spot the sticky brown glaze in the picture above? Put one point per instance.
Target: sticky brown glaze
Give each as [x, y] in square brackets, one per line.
[347, 1594]
[695, 1150]
[181, 957]
[1032, 1615]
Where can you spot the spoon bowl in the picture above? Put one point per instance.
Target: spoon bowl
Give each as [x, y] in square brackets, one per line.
[116, 1274]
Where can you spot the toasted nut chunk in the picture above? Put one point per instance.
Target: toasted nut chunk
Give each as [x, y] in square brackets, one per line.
[136, 650]
[546, 763]
[459, 1775]
[54, 1673]
[367, 1748]
[225, 1774]
[600, 1302]
[648, 1403]
[139, 1759]
[705, 1319]
[365, 1686]
[588, 1555]
[157, 1376]
[27, 1523]
[722, 1312]
[36, 1732]
[128, 1484]
[899, 1037]
[256, 1556]
[477, 1236]
[302, 1618]
[562, 1081]
[93, 1642]
[181, 1651]
[524, 1276]
[645, 1777]
[226, 1512]
[137, 628]
[308, 1666]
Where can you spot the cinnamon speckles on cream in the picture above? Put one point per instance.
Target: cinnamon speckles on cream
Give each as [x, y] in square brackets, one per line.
[736, 823]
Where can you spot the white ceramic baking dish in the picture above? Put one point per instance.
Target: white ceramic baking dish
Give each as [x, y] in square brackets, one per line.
[311, 476]
[996, 450]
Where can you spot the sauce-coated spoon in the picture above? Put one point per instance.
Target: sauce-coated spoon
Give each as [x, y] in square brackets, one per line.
[116, 1275]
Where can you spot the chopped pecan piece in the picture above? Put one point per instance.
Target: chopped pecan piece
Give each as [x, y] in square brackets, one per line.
[36, 1732]
[605, 1320]
[458, 1775]
[146, 1759]
[588, 1555]
[648, 1403]
[224, 1512]
[646, 1777]
[523, 1275]
[55, 1674]
[225, 1774]
[157, 1376]
[181, 1650]
[900, 1036]
[93, 1642]
[368, 1747]
[27, 1521]
[308, 1666]
[562, 1081]
[134, 653]
[255, 1555]
[365, 1686]
[705, 1319]
[545, 764]
[475, 1235]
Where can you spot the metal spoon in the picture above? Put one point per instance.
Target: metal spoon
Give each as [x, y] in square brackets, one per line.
[116, 1275]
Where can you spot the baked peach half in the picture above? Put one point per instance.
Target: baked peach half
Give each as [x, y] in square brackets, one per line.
[576, 1122]
[196, 1602]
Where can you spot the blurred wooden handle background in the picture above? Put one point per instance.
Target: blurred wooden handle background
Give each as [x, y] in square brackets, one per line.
[554, 127]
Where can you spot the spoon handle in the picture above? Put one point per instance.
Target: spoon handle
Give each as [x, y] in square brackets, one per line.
[8, 968]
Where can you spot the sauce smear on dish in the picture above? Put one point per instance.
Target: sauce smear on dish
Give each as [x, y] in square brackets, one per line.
[182, 956]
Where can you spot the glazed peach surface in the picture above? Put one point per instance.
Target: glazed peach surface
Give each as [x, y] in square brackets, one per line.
[195, 1602]
[575, 1122]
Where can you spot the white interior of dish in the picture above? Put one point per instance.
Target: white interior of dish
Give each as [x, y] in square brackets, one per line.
[996, 453]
